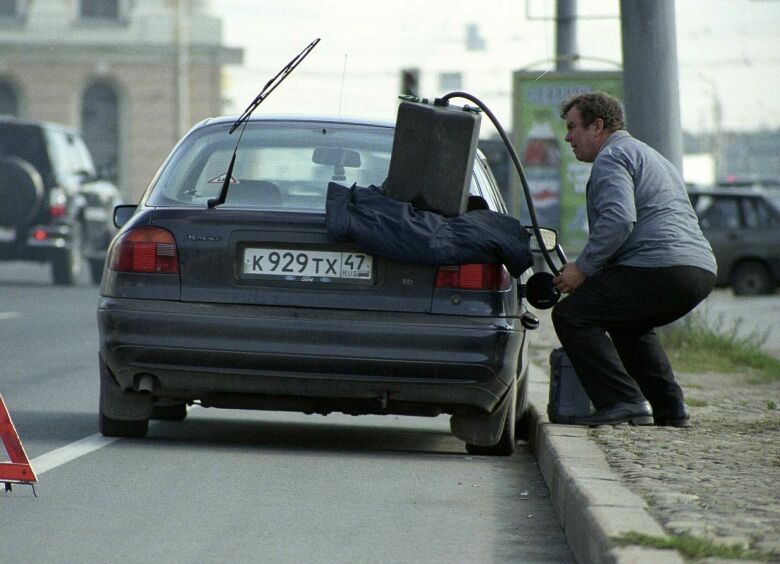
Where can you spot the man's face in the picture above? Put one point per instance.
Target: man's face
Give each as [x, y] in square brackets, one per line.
[585, 141]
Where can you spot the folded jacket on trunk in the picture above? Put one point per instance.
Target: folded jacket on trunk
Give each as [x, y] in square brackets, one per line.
[394, 230]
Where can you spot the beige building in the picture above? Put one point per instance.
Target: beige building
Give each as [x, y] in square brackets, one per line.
[133, 75]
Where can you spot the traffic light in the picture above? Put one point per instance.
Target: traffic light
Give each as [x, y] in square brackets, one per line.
[410, 82]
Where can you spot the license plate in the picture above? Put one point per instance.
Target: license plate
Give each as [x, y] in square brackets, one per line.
[294, 263]
[7, 234]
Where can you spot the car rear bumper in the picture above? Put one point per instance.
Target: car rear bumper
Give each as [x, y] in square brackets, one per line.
[309, 359]
[38, 242]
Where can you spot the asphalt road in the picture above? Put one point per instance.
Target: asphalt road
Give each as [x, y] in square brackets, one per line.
[753, 317]
[239, 486]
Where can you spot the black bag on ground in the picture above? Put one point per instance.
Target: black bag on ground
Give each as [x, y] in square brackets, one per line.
[568, 399]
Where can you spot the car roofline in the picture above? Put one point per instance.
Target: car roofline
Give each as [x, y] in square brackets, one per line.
[341, 120]
[5, 119]
[714, 190]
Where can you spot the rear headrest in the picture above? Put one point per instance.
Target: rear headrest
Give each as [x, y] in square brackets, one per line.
[255, 192]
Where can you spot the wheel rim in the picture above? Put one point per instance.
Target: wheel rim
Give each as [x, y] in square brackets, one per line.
[751, 279]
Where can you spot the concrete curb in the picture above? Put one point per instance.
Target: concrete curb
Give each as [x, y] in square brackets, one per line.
[589, 499]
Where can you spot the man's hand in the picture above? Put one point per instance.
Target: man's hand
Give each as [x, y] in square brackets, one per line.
[569, 278]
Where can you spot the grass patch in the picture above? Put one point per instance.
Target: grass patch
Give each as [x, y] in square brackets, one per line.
[693, 402]
[703, 342]
[695, 548]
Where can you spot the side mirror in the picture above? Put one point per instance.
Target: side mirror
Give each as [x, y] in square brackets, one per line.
[123, 213]
[549, 239]
[85, 175]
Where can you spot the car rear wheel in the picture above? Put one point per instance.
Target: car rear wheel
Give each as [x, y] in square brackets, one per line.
[523, 424]
[67, 267]
[119, 428]
[506, 442]
[752, 278]
[134, 408]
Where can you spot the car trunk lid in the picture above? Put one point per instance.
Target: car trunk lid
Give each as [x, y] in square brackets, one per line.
[286, 259]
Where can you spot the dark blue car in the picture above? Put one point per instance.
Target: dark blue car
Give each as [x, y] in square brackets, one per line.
[253, 305]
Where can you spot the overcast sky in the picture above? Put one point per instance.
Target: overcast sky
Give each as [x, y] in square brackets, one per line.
[728, 53]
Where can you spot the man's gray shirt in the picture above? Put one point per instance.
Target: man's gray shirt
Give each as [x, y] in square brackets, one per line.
[639, 213]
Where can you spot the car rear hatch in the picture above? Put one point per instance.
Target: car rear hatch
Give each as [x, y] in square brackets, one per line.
[286, 259]
[262, 237]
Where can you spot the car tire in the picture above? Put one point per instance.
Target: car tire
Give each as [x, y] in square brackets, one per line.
[120, 428]
[523, 425]
[67, 267]
[507, 441]
[21, 191]
[169, 411]
[133, 408]
[751, 278]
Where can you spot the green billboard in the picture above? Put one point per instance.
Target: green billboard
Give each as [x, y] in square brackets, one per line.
[556, 179]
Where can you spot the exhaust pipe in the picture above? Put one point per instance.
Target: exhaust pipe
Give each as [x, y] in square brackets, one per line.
[145, 384]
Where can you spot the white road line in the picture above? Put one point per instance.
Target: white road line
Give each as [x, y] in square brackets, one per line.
[9, 314]
[63, 455]
[68, 453]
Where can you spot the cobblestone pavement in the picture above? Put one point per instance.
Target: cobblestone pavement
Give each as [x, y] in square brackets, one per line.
[718, 479]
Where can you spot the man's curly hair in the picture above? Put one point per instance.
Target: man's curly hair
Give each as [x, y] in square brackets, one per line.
[595, 105]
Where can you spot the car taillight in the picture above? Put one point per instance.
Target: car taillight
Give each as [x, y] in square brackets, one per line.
[145, 249]
[473, 277]
[57, 202]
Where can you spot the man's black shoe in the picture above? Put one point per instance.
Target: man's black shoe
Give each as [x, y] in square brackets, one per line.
[633, 413]
[678, 417]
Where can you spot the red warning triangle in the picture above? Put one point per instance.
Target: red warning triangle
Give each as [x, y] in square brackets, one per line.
[19, 469]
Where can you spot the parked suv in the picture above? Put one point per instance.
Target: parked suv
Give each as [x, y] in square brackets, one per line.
[54, 207]
[743, 227]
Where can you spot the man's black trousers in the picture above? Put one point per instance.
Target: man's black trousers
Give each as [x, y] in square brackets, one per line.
[628, 303]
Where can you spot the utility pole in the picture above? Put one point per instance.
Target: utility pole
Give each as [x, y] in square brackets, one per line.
[715, 143]
[565, 34]
[183, 74]
[651, 92]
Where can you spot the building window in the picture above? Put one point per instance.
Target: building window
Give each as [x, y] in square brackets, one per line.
[99, 9]
[13, 9]
[474, 39]
[450, 81]
[9, 99]
[8, 9]
[100, 127]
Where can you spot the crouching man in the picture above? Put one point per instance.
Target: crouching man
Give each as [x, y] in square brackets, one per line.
[645, 264]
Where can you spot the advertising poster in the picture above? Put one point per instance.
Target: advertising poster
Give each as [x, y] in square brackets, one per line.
[556, 179]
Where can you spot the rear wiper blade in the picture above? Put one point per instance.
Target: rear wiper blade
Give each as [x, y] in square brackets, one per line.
[269, 87]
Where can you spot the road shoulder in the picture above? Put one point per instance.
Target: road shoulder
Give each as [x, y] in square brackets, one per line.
[589, 499]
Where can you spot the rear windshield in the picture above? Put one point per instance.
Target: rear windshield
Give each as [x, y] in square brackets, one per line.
[284, 165]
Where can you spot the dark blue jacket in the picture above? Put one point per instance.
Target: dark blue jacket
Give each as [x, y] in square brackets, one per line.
[394, 230]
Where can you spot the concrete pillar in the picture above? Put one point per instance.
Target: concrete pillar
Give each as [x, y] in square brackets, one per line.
[565, 34]
[650, 82]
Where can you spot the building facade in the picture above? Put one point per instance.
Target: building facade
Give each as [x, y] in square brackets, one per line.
[132, 75]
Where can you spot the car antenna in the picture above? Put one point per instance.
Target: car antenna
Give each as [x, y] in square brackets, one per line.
[269, 87]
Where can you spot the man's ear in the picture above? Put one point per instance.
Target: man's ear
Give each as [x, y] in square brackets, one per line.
[598, 125]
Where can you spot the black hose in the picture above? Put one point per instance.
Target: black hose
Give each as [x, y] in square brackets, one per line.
[526, 190]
